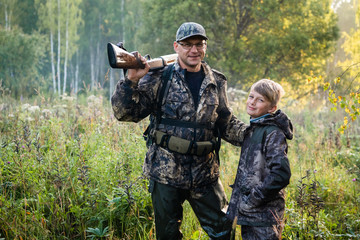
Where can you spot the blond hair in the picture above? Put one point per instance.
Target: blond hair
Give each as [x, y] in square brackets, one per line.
[271, 90]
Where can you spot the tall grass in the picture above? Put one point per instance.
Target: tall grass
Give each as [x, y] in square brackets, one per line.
[69, 170]
[72, 171]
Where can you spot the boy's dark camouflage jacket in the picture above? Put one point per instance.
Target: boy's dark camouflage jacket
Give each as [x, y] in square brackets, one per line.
[134, 103]
[258, 196]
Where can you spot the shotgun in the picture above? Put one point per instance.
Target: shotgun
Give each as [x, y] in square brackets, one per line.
[120, 58]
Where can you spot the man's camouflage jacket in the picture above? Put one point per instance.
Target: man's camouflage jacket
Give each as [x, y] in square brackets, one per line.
[134, 102]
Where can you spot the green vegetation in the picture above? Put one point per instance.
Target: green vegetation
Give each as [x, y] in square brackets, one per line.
[69, 170]
[248, 40]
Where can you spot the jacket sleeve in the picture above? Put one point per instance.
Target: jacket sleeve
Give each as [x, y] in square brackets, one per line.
[132, 103]
[231, 128]
[278, 164]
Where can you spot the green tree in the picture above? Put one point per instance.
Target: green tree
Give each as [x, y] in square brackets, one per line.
[344, 90]
[18, 13]
[20, 61]
[163, 17]
[250, 39]
[106, 21]
[60, 20]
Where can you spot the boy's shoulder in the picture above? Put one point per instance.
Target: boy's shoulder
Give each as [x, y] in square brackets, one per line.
[260, 132]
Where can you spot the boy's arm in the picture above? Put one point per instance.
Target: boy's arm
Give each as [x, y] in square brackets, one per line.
[280, 173]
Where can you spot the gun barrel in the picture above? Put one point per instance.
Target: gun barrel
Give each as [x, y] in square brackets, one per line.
[162, 61]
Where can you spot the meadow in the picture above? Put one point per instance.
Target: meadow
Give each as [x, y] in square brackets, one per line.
[70, 170]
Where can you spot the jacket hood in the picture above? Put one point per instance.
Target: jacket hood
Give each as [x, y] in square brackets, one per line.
[279, 119]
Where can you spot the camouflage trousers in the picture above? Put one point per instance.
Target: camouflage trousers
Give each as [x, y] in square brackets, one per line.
[208, 204]
[261, 233]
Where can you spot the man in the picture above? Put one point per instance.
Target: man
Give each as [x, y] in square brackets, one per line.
[182, 161]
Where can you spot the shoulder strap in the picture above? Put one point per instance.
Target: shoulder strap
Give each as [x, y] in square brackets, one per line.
[166, 80]
[161, 98]
[165, 84]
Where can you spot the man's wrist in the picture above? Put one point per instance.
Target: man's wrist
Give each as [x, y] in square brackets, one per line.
[132, 83]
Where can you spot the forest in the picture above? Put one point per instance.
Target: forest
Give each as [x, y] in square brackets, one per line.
[70, 170]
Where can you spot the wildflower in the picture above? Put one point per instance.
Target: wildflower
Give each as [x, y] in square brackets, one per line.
[8, 162]
[34, 109]
[29, 119]
[315, 171]
[354, 179]
[25, 106]
[68, 98]
[23, 146]
[46, 111]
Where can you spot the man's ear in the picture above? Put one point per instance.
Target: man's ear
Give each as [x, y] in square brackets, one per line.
[176, 45]
[272, 109]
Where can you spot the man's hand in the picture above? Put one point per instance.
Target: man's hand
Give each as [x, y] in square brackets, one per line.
[134, 75]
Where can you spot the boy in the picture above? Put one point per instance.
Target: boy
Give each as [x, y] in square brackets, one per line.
[258, 199]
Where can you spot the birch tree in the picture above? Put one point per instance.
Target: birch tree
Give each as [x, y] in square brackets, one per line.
[63, 18]
[51, 26]
[59, 45]
[47, 25]
[7, 8]
[66, 44]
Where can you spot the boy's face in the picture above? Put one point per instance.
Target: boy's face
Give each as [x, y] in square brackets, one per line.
[257, 105]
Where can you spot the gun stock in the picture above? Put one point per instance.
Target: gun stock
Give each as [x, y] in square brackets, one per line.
[120, 58]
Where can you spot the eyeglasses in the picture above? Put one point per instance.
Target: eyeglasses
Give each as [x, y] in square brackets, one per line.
[188, 46]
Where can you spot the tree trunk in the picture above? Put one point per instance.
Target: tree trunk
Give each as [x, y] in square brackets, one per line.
[97, 65]
[7, 17]
[122, 32]
[111, 83]
[66, 45]
[59, 57]
[76, 85]
[92, 67]
[97, 58]
[52, 61]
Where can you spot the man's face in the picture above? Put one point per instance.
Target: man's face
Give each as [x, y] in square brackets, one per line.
[191, 52]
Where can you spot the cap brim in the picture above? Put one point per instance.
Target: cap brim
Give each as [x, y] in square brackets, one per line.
[199, 35]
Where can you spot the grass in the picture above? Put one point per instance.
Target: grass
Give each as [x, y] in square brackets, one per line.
[71, 171]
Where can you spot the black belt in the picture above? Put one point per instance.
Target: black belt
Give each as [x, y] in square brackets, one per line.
[185, 124]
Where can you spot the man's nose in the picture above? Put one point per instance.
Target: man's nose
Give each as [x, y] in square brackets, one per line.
[193, 48]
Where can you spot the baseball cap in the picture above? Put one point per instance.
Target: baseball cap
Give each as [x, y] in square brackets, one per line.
[190, 29]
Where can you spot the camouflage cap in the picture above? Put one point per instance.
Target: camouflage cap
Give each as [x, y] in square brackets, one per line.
[190, 29]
